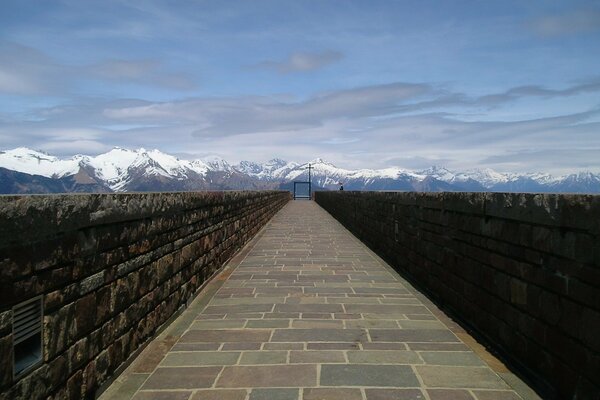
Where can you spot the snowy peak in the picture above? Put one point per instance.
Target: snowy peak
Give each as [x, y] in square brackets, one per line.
[218, 164]
[487, 176]
[276, 163]
[249, 167]
[440, 173]
[34, 162]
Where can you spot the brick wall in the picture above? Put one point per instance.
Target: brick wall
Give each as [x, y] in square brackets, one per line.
[112, 269]
[522, 270]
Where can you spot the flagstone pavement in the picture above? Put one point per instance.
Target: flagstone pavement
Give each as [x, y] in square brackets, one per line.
[306, 311]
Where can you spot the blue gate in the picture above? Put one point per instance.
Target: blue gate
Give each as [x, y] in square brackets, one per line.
[302, 190]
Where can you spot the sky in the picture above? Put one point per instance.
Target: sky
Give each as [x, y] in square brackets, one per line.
[508, 85]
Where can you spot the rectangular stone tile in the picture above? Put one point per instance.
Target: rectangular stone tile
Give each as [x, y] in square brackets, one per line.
[368, 375]
[299, 375]
[222, 394]
[394, 316]
[385, 308]
[347, 316]
[384, 357]
[449, 394]
[268, 323]
[400, 300]
[241, 346]
[166, 395]
[383, 346]
[331, 394]
[353, 300]
[194, 358]
[323, 278]
[333, 346]
[283, 346]
[233, 335]
[319, 335]
[460, 358]
[244, 316]
[306, 300]
[460, 377]
[246, 300]
[306, 315]
[316, 357]
[342, 284]
[279, 290]
[380, 290]
[264, 357]
[411, 335]
[327, 290]
[243, 308]
[309, 308]
[182, 378]
[370, 324]
[410, 324]
[278, 315]
[217, 324]
[394, 394]
[315, 323]
[274, 394]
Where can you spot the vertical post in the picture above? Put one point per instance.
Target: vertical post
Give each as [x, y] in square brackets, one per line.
[309, 183]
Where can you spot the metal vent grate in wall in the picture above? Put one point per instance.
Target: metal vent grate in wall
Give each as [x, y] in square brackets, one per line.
[27, 334]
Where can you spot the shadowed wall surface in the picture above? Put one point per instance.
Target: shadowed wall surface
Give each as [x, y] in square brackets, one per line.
[112, 270]
[523, 270]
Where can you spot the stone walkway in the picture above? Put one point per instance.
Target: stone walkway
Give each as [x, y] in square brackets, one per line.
[311, 313]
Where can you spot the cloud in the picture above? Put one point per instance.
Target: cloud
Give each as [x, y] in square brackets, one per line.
[25, 70]
[28, 71]
[67, 148]
[576, 22]
[538, 91]
[580, 158]
[138, 71]
[302, 62]
[244, 115]
[418, 162]
[396, 124]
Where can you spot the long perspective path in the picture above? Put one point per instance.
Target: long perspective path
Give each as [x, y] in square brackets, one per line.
[311, 313]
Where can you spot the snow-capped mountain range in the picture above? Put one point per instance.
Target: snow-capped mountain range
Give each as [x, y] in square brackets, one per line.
[23, 170]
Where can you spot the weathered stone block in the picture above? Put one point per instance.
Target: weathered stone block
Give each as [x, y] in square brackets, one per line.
[91, 283]
[85, 314]
[6, 349]
[518, 292]
[59, 330]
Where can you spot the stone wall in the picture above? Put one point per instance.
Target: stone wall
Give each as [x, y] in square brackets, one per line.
[522, 270]
[112, 268]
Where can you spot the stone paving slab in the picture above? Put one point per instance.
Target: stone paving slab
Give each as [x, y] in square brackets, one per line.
[310, 313]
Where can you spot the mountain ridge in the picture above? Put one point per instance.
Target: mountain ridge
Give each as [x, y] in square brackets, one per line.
[124, 170]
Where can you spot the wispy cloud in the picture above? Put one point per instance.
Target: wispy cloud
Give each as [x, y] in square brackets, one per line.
[570, 23]
[234, 116]
[302, 62]
[26, 71]
[538, 91]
